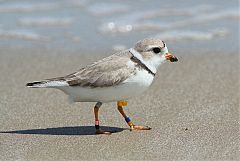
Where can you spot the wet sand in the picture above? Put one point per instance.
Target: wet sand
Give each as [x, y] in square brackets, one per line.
[192, 107]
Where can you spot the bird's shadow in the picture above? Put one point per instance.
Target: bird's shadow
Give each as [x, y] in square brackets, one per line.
[75, 130]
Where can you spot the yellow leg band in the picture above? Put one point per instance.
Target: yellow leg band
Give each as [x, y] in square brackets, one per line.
[130, 123]
[122, 103]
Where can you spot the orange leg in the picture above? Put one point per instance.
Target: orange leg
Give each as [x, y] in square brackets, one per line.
[96, 110]
[120, 105]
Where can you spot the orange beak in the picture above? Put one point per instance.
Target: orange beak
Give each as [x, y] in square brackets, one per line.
[170, 57]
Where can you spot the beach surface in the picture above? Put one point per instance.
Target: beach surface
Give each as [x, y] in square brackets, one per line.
[192, 107]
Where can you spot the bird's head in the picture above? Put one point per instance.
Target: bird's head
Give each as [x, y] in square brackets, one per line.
[154, 51]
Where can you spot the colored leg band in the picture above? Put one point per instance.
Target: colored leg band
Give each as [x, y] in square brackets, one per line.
[127, 119]
[129, 122]
[97, 124]
[97, 127]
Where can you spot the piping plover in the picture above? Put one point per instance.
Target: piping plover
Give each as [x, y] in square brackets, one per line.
[115, 78]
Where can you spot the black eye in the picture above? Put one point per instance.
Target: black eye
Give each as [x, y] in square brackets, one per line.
[156, 50]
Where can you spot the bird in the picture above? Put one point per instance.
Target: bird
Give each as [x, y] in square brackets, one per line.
[115, 78]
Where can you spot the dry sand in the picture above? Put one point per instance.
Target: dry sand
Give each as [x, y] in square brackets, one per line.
[192, 108]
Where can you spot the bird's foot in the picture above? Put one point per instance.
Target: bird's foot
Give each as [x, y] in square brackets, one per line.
[137, 127]
[99, 131]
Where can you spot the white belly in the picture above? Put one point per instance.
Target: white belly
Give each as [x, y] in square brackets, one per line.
[131, 87]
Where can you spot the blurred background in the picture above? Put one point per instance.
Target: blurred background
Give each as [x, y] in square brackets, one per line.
[90, 25]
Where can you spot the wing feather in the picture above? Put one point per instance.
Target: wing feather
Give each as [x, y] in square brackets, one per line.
[109, 71]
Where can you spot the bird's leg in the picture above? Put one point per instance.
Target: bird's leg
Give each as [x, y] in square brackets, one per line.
[120, 105]
[98, 130]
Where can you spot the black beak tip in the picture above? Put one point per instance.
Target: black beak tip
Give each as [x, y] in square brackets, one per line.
[174, 59]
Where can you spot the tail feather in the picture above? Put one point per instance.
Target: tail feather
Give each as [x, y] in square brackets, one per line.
[47, 83]
[37, 84]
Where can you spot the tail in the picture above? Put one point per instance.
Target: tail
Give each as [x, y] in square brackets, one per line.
[47, 84]
[38, 84]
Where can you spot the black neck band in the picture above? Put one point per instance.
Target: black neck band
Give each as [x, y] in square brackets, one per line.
[141, 64]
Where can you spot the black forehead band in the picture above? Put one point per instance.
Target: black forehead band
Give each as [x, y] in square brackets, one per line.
[164, 45]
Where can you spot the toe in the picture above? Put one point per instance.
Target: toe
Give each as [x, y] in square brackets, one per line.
[103, 132]
[136, 127]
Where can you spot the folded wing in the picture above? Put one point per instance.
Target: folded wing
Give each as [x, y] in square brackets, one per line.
[109, 71]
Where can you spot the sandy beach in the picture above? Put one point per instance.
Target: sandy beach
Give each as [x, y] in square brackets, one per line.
[192, 107]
